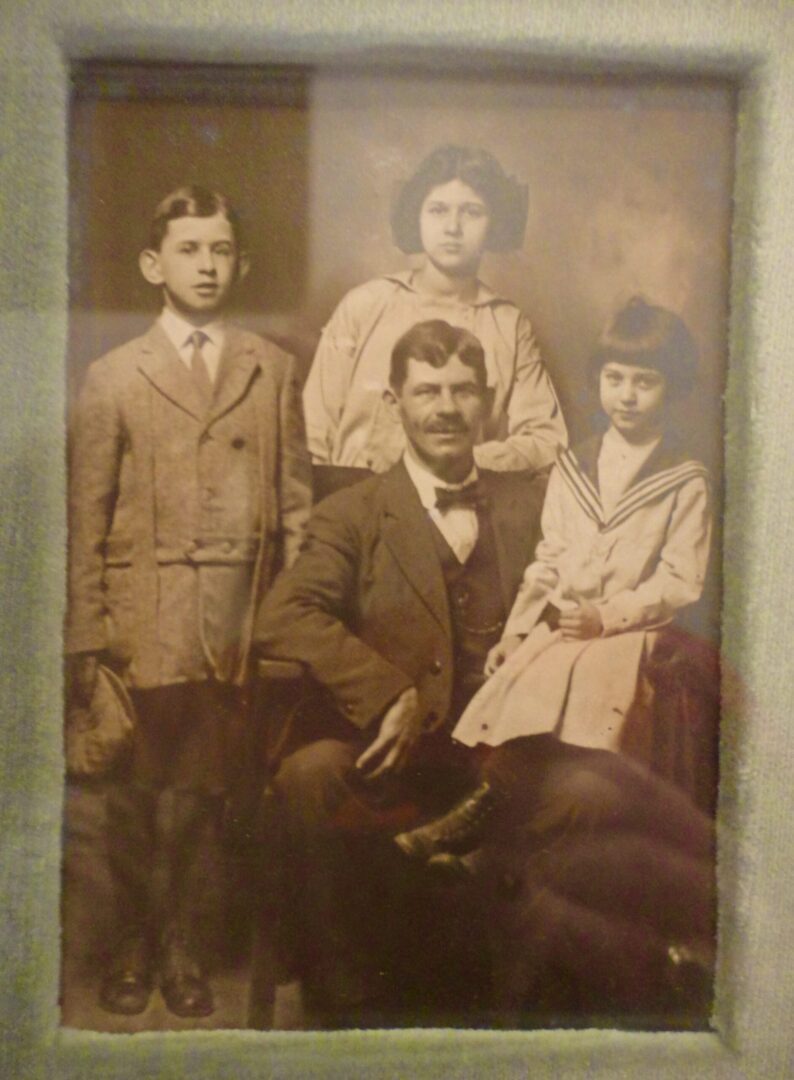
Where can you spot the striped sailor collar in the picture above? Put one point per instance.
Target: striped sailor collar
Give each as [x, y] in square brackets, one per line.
[667, 468]
[485, 294]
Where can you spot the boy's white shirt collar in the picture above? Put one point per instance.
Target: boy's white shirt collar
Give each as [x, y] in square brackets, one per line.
[179, 332]
[457, 524]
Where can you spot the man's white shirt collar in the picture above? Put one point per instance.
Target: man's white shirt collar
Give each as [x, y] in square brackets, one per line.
[426, 482]
[457, 524]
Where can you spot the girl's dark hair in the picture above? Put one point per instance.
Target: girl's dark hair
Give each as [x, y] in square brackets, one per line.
[192, 201]
[434, 342]
[506, 198]
[649, 336]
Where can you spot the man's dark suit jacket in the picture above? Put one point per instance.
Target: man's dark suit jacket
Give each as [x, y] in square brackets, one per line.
[365, 606]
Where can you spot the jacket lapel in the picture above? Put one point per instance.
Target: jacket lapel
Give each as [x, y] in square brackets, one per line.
[511, 525]
[238, 365]
[406, 531]
[159, 362]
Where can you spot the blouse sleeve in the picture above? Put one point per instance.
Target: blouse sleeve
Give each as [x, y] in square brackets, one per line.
[329, 379]
[535, 424]
[679, 576]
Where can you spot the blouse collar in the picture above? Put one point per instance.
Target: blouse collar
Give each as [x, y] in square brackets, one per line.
[485, 294]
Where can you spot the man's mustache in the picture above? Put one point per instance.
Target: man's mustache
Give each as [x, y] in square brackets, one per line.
[448, 427]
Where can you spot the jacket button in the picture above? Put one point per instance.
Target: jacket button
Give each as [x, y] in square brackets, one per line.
[238, 443]
[436, 667]
[192, 548]
[226, 546]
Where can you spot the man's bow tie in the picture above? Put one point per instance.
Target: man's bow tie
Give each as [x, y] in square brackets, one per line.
[471, 496]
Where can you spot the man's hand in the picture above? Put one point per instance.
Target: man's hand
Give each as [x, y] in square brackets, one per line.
[399, 730]
[500, 652]
[580, 622]
[82, 671]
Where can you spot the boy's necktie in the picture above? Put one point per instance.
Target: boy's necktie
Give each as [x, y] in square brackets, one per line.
[198, 366]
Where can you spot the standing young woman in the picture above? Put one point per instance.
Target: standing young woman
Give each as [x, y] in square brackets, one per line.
[458, 205]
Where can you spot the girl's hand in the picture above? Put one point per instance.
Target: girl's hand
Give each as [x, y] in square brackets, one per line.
[581, 622]
[500, 652]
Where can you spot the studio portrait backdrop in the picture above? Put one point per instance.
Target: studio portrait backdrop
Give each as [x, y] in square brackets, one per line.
[629, 193]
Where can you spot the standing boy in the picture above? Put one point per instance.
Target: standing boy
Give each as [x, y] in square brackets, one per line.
[189, 489]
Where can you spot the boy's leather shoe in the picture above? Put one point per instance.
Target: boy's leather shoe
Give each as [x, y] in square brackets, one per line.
[188, 995]
[127, 985]
[183, 985]
[457, 833]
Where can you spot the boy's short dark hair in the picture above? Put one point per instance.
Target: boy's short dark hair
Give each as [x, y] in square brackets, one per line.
[434, 342]
[506, 198]
[646, 335]
[192, 201]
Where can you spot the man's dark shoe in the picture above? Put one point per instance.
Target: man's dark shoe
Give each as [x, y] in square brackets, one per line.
[127, 984]
[456, 833]
[451, 867]
[183, 985]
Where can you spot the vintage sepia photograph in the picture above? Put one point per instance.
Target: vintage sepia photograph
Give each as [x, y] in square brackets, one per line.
[395, 518]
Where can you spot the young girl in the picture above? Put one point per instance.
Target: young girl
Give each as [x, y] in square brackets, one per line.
[457, 205]
[626, 528]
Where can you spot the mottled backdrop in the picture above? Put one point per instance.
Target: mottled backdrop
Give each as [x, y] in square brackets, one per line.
[629, 187]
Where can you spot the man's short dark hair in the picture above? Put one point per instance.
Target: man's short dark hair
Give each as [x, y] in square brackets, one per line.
[192, 201]
[435, 342]
[504, 196]
[650, 336]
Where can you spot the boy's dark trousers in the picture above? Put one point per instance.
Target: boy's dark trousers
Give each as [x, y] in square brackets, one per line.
[162, 819]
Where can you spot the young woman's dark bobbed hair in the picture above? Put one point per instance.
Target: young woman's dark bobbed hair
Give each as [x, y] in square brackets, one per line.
[649, 336]
[506, 198]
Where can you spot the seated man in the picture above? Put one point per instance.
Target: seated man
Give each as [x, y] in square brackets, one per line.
[401, 589]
